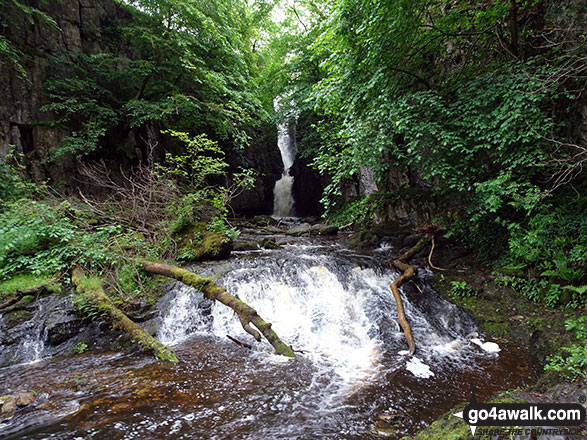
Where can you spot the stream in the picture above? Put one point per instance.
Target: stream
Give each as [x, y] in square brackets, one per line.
[351, 377]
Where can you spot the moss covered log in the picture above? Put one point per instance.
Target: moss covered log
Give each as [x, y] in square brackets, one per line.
[246, 314]
[407, 273]
[90, 292]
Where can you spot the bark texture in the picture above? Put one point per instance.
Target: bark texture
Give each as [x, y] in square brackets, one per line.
[407, 273]
[90, 291]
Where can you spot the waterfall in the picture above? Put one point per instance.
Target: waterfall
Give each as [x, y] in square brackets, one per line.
[337, 309]
[349, 379]
[283, 202]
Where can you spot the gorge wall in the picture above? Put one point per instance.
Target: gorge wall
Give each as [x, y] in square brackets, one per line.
[79, 27]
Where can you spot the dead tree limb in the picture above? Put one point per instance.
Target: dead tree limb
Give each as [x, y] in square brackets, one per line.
[407, 273]
[19, 294]
[246, 314]
[430, 257]
[240, 343]
[91, 293]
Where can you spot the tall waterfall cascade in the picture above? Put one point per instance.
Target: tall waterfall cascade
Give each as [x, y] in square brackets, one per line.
[283, 202]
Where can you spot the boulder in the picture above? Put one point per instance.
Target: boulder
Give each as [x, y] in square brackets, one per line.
[321, 229]
[298, 230]
[25, 399]
[245, 246]
[269, 243]
[62, 324]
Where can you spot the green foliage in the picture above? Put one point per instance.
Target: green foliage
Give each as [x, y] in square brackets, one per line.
[476, 115]
[80, 347]
[552, 248]
[13, 185]
[218, 224]
[44, 239]
[572, 362]
[202, 159]
[9, 10]
[462, 289]
[191, 208]
[191, 69]
[88, 92]
[359, 212]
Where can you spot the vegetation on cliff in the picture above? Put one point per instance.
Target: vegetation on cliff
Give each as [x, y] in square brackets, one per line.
[472, 107]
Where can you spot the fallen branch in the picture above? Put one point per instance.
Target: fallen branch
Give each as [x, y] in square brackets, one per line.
[417, 287]
[407, 273]
[430, 257]
[241, 343]
[19, 294]
[246, 314]
[91, 292]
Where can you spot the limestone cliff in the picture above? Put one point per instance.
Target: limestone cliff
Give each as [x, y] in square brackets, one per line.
[79, 28]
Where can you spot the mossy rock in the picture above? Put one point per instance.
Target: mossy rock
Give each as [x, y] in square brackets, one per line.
[449, 427]
[269, 243]
[265, 220]
[197, 243]
[321, 229]
[17, 317]
[245, 246]
[497, 328]
[364, 239]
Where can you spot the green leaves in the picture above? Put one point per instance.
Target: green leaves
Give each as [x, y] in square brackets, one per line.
[187, 66]
[462, 289]
[202, 160]
[571, 363]
[44, 239]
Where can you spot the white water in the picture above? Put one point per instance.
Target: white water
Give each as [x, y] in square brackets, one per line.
[283, 202]
[339, 311]
[30, 337]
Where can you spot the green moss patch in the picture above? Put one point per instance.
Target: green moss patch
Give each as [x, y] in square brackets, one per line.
[17, 317]
[22, 281]
[197, 243]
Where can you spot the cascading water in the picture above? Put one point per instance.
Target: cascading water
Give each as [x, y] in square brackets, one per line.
[335, 307]
[283, 202]
[26, 341]
[331, 304]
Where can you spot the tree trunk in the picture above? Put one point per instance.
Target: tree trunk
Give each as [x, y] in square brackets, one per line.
[246, 314]
[91, 293]
[407, 273]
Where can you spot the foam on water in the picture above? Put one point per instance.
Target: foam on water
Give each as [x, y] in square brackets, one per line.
[338, 312]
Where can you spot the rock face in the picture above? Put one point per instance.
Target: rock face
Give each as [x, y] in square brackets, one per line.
[312, 230]
[79, 28]
[262, 155]
[50, 326]
[11, 403]
[307, 189]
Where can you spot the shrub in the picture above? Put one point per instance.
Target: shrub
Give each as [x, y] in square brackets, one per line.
[571, 363]
[462, 289]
